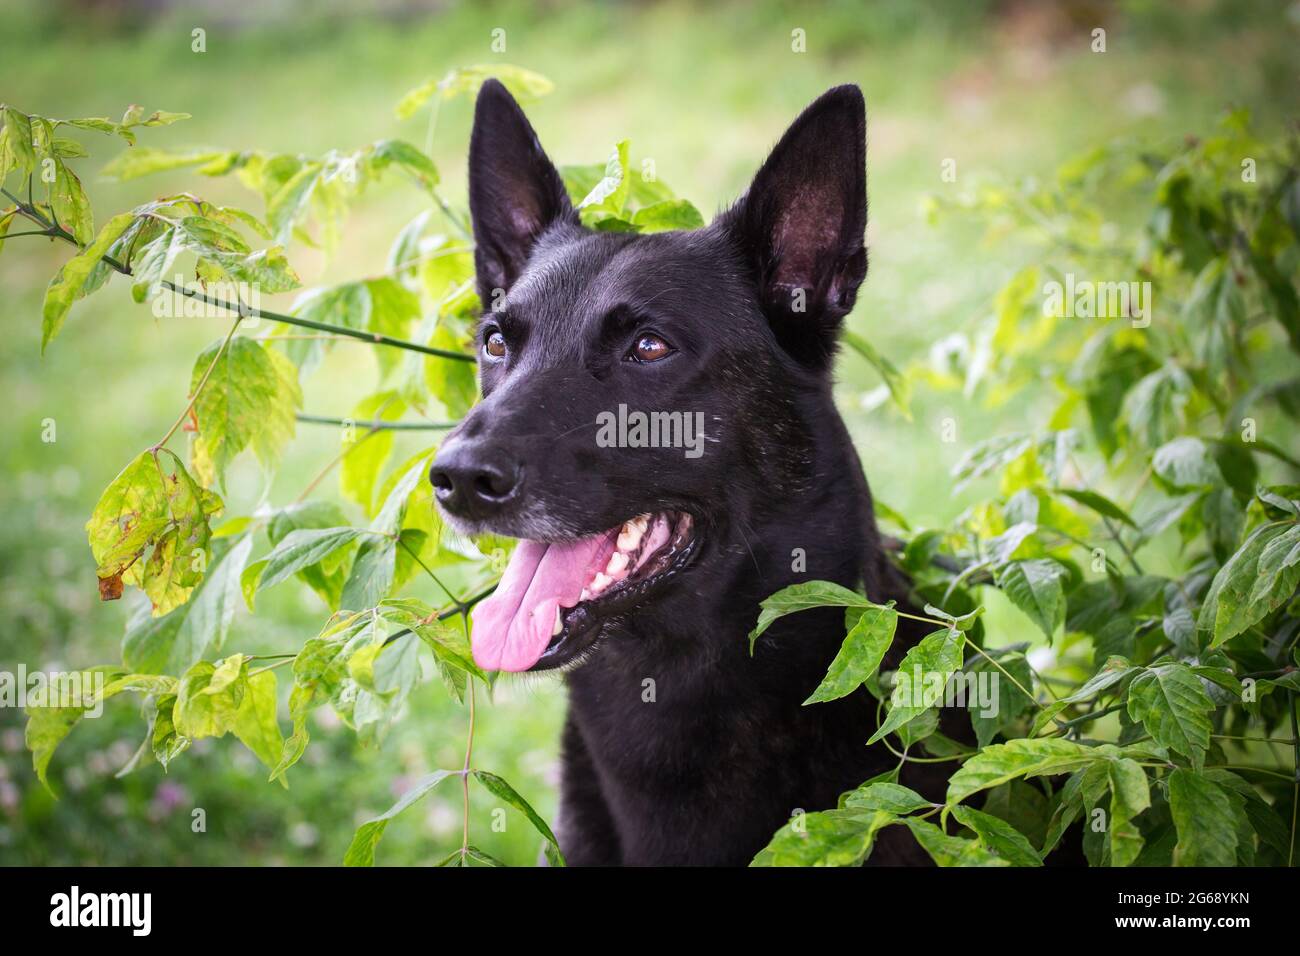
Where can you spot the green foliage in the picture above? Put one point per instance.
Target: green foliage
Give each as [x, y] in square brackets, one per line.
[1143, 717]
[153, 528]
[1143, 712]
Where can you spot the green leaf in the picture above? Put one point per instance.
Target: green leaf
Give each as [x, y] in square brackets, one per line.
[860, 655]
[147, 509]
[503, 791]
[446, 639]
[298, 549]
[143, 161]
[1112, 672]
[1172, 704]
[886, 796]
[1011, 701]
[1153, 408]
[802, 597]
[666, 215]
[292, 201]
[18, 153]
[922, 678]
[1130, 795]
[451, 383]
[523, 84]
[198, 628]
[999, 763]
[1098, 503]
[165, 742]
[1206, 819]
[1260, 815]
[362, 850]
[48, 726]
[1035, 587]
[70, 203]
[826, 838]
[478, 856]
[247, 401]
[948, 850]
[210, 697]
[900, 389]
[609, 196]
[1186, 463]
[998, 836]
[360, 468]
[989, 456]
[389, 152]
[394, 309]
[6, 220]
[373, 572]
[68, 285]
[1259, 578]
[255, 721]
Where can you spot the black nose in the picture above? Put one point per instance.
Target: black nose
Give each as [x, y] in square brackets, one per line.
[473, 479]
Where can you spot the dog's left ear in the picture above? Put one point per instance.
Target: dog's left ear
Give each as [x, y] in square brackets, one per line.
[800, 225]
[515, 193]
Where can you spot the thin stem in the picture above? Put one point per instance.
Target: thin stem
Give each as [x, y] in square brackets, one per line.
[903, 755]
[464, 779]
[924, 620]
[1248, 768]
[1019, 686]
[373, 337]
[436, 580]
[462, 608]
[1262, 740]
[1093, 715]
[199, 388]
[1114, 533]
[271, 667]
[56, 231]
[380, 426]
[1295, 779]
[450, 215]
[329, 465]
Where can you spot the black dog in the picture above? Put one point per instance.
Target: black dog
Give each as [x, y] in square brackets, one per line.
[641, 568]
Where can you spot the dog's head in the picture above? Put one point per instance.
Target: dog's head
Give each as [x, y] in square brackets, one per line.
[637, 387]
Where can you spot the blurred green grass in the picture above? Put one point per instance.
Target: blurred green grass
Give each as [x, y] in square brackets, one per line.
[1005, 89]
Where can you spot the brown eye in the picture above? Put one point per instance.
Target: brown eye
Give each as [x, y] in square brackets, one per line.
[495, 345]
[650, 348]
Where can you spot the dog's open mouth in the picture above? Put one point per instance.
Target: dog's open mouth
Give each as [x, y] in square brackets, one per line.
[554, 594]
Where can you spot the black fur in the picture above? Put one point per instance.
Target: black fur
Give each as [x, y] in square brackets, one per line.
[709, 770]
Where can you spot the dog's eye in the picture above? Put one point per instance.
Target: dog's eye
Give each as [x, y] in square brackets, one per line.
[649, 348]
[495, 345]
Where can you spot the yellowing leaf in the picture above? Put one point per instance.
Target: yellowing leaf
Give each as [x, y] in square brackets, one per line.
[155, 509]
[67, 286]
[249, 399]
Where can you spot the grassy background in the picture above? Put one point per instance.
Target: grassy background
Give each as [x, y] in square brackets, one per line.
[1005, 89]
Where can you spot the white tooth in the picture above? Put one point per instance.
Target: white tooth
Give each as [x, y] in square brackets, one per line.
[559, 623]
[599, 583]
[617, 562]
[585, 596]
[640, 522]
[629, 537]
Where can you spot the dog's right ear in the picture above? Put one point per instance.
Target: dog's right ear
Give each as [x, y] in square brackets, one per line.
[515, 193]
[800, 225]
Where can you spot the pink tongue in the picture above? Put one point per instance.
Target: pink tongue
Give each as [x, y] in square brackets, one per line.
[514, 625]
